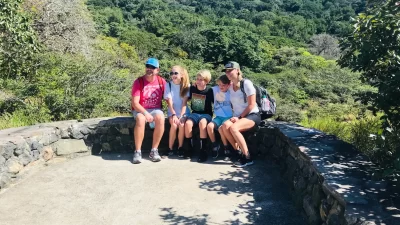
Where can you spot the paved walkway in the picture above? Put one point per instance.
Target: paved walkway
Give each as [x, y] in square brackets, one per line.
[111, 190]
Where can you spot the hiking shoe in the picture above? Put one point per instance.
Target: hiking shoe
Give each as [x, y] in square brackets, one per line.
[202, 157]
[243, 162]
[180, 152]
[154, 156]
[137, 157]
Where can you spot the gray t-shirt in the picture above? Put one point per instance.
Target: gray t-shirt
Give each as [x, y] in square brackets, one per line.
[237, 98]
[174, 94]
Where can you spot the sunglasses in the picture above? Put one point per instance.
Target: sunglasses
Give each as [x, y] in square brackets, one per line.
[150, 67]
[173, 73]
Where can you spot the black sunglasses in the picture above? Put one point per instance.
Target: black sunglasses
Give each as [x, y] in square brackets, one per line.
[173, 73]
[150, 66]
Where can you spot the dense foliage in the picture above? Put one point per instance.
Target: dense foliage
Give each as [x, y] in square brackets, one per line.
[373, 49]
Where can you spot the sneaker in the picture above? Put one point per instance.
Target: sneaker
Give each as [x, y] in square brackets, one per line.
[154, 156]
[227, 155]
[215, 151]
[187, 154]
[137, 157]
[243, 162]
[165, 154]
[202, 157]
[180, 152]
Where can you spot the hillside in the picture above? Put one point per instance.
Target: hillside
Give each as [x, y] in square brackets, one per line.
[84, 55]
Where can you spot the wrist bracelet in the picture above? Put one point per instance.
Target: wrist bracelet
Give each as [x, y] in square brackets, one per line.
[240, 117]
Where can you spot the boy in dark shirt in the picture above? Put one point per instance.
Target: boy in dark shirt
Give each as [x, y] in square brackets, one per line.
[201, 97]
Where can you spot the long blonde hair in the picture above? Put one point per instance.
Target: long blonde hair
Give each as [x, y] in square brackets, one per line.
[185, 83]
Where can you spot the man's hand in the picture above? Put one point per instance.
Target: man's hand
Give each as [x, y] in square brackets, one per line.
[149, 117]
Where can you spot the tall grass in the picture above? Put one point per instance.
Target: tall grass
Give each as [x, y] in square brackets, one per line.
[359, 132]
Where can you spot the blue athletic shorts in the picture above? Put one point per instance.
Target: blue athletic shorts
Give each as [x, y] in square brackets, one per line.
[219, 120]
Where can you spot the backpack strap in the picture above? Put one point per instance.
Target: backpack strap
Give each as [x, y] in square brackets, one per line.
[242, 89]
[159, 79]
[169, 84]
[141, 84]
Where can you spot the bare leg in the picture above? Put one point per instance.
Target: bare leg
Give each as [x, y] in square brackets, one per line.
[227, 133]
[181, 135]
[241, 125]
[158, 130]
[210, 131]
[188, 128]
[203, 128]
[172, 133]
[222, 134]
[138, 133]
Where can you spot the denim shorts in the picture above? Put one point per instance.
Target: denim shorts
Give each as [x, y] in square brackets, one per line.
[152, 112]
[219, 120]
[197, 117]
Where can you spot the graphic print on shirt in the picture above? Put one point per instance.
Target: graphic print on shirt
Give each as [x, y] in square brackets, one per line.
[221, 101]
[198, 102]
[152, 97]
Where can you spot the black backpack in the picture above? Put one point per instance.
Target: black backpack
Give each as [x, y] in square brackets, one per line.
[269, 109]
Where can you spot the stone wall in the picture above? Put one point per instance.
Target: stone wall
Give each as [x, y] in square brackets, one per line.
[329, 181]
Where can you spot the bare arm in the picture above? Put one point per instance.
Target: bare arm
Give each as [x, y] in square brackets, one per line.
[184, 103]
[170, 105]
[251, 100]
[139, 108]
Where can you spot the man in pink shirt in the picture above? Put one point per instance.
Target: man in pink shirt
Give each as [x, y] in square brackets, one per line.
[147, 95]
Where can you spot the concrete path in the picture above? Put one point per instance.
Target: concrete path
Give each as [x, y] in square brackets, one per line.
[109, 189]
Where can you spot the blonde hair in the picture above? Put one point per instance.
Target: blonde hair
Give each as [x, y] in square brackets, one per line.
[205, 74]
[185, 83]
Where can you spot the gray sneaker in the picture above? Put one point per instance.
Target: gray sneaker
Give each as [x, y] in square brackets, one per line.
[137, 157]
[154, 156]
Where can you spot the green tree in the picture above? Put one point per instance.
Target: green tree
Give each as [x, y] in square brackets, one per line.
[374, 50]
[18, 42]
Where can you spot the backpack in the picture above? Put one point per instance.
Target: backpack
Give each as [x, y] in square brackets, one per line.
[266, 106]
[159, 79]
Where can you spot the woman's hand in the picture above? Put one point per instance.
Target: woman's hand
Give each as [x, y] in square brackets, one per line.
[175, 119]
[234, 119]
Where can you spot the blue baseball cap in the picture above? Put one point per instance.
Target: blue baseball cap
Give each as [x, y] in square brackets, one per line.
[153, 62]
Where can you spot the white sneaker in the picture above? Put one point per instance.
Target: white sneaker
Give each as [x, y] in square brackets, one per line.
[137, 157]
[154, 156]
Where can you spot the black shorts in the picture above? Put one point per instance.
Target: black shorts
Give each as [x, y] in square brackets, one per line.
[256, 117]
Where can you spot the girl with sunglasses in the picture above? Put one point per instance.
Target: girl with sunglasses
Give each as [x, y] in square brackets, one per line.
[176, 95]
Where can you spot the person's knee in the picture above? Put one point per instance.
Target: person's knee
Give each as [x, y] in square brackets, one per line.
[140, 121]
[189, 124]
[203, 123]
[159, 118]
[210, 127]
[234, 128]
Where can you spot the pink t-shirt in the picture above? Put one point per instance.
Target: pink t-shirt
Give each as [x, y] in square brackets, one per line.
[152, 92]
